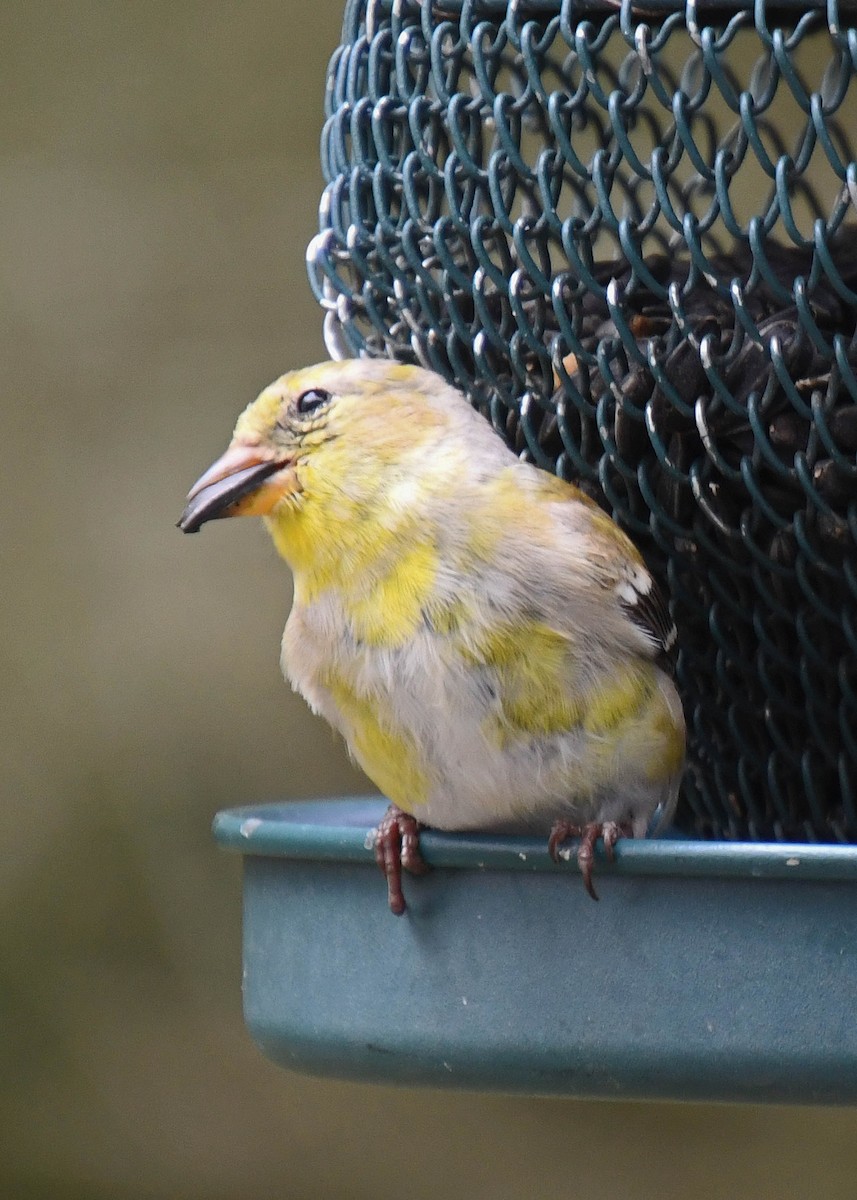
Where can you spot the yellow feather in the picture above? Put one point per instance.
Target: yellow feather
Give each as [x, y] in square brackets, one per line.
[389, 757]
[390, 611]
[667, 746]
[533, 669]
[608, 707]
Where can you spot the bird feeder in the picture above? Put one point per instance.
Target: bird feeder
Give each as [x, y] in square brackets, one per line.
[627, 231]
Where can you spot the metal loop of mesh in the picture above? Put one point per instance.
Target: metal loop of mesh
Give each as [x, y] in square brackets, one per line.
[627, 232]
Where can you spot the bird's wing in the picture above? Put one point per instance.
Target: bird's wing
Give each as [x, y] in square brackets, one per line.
[643, 601]
[554, 561]
[592, 562]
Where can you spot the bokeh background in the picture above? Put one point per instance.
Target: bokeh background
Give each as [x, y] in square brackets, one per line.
[158, 183]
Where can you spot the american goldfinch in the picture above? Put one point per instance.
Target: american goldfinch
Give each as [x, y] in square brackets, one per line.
[488, 642]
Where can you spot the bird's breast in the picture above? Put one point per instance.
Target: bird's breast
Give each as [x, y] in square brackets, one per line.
[479, 728]
[414, 714]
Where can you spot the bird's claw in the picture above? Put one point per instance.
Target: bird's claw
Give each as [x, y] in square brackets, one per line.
[397, 846]
[609, 831]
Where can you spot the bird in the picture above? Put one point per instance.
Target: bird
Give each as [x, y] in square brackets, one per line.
[488, 642]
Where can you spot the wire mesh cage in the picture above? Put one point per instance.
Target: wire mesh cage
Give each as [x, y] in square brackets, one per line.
[627, 233]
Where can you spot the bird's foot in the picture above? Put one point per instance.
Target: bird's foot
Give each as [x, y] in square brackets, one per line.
[397, 845]
[589, 834]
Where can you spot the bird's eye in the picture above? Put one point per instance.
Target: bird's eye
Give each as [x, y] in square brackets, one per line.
[308, 402]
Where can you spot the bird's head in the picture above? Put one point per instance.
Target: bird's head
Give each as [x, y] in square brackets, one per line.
[335, 440]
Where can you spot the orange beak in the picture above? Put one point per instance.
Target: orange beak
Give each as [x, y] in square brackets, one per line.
[238, 484]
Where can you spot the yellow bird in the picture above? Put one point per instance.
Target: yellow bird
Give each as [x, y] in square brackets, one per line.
[488, 642]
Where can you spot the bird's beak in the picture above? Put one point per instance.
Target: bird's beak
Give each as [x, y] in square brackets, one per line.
[238, 484]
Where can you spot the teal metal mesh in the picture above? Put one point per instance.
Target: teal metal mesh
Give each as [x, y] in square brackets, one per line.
[625, 232]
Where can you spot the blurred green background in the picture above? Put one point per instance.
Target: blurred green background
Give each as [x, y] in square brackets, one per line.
[158, 183]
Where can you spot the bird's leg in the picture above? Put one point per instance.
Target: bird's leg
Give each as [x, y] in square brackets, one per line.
[589, 834]
[397, 845]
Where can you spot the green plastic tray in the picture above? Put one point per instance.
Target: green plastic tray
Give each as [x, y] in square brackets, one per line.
[707, 971]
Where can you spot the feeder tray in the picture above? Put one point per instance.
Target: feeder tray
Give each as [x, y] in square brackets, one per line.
[706, 971]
